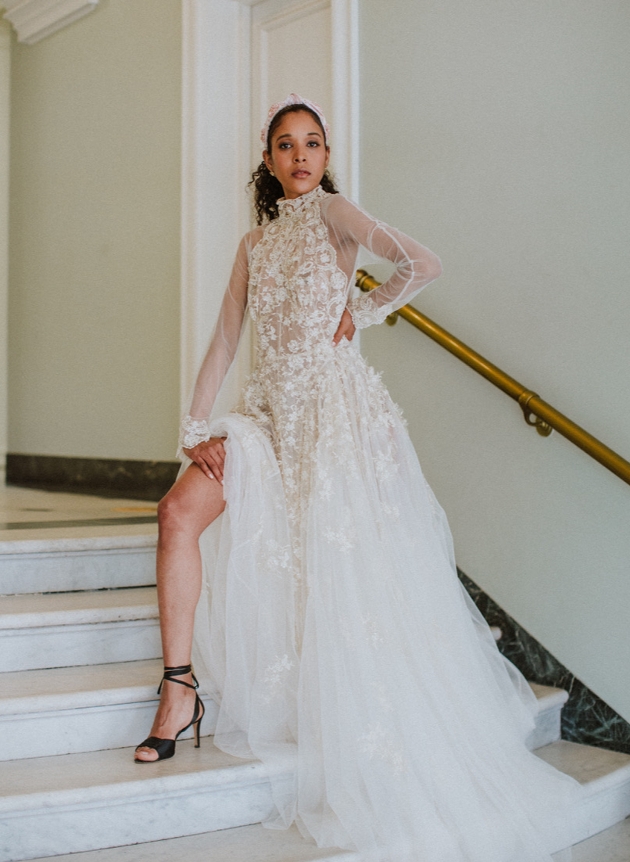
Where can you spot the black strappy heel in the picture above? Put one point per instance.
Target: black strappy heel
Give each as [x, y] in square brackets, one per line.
[166, 747]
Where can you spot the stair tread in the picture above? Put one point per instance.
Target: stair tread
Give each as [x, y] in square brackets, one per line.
[73, 539]
[33, 610]
[75, 687]
[114, 773]
[98, 775]
[257, 844]
[549, 695]
[595, 767]
[121, 682]
[241, 844]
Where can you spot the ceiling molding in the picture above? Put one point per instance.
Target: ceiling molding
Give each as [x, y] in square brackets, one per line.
[35, 19]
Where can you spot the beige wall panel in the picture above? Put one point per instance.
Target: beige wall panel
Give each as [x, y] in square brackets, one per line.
[291, 53]
[497, 134]
[301, 65]
[95, 226]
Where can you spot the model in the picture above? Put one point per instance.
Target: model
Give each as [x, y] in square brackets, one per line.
[330, 624]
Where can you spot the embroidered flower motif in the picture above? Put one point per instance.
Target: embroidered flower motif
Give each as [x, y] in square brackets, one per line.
[378, 744]
[275, 675]
[296, 296]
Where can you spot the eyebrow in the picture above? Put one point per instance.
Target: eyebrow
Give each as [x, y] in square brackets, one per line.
[289, 135]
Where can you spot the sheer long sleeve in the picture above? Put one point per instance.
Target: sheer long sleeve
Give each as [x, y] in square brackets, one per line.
[416, 266]
[220, 353]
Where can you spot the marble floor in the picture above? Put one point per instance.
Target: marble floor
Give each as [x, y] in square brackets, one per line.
[29, 514]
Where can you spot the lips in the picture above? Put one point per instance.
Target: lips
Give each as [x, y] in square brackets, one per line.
[301, 175]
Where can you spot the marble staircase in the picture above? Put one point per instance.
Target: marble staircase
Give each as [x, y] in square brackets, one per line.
[79, 666]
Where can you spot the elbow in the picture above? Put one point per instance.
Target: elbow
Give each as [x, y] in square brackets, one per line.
[428, 269]
[434, 268]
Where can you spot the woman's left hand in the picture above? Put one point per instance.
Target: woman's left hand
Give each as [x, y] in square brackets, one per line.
[346, 327]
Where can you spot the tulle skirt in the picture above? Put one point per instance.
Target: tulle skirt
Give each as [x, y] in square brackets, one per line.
[350, 659]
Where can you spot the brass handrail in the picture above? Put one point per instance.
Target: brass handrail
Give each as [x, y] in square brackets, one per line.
[536, 412]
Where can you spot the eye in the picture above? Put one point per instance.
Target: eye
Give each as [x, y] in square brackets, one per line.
[284, 145]
[313, 143]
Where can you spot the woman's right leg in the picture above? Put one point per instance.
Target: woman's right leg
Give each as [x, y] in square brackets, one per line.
[183, 514]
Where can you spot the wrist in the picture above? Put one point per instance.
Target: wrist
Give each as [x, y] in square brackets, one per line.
[192, 432]
[365, 312]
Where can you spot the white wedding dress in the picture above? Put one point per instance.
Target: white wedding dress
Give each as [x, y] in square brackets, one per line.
[332, 629]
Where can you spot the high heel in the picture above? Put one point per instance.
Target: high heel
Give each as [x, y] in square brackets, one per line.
[166, 747]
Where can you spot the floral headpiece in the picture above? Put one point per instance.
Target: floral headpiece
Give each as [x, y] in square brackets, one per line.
[293, 99]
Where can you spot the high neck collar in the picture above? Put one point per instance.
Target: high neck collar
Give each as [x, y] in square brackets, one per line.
[288, 206]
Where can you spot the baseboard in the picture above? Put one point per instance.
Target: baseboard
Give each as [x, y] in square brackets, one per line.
[104, 477]
[585, 717]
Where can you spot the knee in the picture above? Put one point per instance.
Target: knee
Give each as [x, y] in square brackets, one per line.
[171, 513]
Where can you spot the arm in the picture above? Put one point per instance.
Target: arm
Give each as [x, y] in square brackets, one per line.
[220, 354]
[416, 265]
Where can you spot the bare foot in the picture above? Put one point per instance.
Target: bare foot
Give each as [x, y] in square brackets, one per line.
[177, 704]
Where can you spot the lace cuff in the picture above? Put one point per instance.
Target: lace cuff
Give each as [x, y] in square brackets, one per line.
[365, 311]
[191, 432]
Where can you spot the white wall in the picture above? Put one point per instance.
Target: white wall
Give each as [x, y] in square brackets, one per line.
[497, 134]
[5, 76]
[95, 235]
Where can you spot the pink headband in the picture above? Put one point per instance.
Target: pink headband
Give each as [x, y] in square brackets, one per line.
[293, 99]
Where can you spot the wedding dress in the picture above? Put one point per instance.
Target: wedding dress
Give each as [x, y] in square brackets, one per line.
[332, 629]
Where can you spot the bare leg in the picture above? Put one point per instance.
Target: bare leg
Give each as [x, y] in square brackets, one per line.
[183, 514]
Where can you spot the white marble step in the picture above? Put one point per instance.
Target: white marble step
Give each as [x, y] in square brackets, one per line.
[62, 629]
[257, 844]
[606, 777]
[73, 709]
[239, 844]
[35, 565]
[550, 703]
[78, 802]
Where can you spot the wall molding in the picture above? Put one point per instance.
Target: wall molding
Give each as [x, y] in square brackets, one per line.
[35, 19]
[216, 140]
[215, 161]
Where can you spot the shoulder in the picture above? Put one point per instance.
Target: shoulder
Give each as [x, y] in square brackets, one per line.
[338, 206]
[250, 240]
[345, 216]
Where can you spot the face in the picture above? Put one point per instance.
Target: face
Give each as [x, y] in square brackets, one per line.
[299, 155]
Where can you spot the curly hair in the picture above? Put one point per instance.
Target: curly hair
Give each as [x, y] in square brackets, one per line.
[267, 189]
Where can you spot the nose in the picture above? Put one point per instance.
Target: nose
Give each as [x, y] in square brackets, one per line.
[299, 156]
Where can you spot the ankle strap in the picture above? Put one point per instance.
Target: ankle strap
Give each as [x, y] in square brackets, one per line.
[170, 672]
[177, 671]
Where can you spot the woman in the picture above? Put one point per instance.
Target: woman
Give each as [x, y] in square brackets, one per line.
[332, 629]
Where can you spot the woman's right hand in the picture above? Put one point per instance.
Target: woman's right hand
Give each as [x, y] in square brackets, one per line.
[209, 456]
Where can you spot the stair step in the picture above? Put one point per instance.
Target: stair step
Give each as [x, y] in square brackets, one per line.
[550, 703]
[257, 844]
[81, 563]
[75, 709]
[81, 802]
[239, 844]
[63, 629]
[612, 845]
[606, 777]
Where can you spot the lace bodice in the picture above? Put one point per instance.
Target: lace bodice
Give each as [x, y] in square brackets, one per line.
[296, 276]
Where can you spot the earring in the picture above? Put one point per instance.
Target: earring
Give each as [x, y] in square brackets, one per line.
[271, 172]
